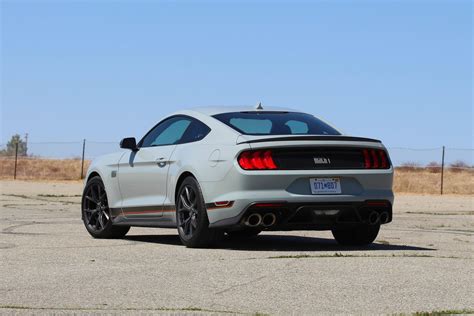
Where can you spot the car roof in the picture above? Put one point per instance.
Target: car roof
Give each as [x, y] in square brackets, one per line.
[213, 110]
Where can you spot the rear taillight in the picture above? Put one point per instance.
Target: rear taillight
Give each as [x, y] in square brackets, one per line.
[375, 159]
[257, 160]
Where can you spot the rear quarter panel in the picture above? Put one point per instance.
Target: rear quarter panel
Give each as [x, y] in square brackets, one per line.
[209, 160]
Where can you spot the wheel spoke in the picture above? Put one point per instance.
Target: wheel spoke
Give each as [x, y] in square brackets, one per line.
[91, 199]
[192, 198]
[185, 227]
[87, 216]
[97, 222]
[93, 218]
[101, 221]
[184, 222]
[188, 195]
[188, 227]
[99, 196]
[95, 197]
[91, 214]
[102, 196]
[185, 203]
[98, 192]
[194, 223]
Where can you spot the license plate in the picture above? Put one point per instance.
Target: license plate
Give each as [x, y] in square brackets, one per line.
[325, 185]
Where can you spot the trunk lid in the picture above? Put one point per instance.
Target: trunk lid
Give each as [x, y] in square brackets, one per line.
[317, 152]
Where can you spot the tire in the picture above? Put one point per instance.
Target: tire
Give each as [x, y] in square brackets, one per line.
[244, 234]
[96, 213]
[360, 235]
[191, 216]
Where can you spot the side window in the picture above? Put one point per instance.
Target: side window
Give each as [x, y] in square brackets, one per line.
[196, 131]
[168, 132]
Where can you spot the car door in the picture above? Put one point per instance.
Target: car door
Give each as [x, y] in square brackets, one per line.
[143, 174]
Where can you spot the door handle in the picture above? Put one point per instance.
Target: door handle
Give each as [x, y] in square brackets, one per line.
[161, 162]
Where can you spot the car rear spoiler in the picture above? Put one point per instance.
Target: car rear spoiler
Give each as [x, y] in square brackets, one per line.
[310, 137]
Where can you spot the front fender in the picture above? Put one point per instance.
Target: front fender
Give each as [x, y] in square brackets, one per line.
[107, 168]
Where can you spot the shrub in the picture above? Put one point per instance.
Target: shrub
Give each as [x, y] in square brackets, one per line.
[434, 167]
[458, 166]
[409, 166]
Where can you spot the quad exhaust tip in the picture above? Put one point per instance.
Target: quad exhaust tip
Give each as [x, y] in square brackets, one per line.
[254, 220]
[384, 217]
[269, 219]
[374, 218]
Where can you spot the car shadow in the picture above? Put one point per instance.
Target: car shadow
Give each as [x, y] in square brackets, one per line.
[268, 242]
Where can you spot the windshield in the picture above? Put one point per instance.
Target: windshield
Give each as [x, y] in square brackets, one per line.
[276, 123]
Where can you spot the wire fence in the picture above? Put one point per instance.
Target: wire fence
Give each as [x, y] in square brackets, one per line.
[70, 160]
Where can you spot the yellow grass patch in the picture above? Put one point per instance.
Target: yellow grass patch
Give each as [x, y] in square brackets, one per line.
[42, 169]
[421, 180]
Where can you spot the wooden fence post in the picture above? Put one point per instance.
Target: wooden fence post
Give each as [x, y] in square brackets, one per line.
[16, 160]
[83, 156]
[442, 171]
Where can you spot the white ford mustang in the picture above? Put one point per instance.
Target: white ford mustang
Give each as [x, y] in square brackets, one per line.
[238, 171]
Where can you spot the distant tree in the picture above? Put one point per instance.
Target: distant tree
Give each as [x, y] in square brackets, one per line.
[409, 166]
[11, 147]
[458, 166]
[433, 164]
[434, 167]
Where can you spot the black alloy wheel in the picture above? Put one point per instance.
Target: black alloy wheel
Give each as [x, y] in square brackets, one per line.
[191, 216]
[96, 213]
[187, 212]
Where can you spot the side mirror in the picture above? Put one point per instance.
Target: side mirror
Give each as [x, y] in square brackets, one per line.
[129, 143]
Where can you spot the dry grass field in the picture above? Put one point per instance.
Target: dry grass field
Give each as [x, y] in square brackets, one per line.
[42, 169]
[407, 180]
[426, 181]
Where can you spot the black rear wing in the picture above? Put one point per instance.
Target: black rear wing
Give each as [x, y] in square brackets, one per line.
[311, 137]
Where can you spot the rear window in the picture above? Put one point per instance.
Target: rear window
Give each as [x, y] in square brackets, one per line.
[276, 123]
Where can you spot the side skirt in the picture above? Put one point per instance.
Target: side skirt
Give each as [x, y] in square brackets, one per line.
[148, 216]
[158, 222]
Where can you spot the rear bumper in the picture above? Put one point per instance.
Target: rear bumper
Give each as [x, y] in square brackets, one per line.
[244, 189]
[310, 215]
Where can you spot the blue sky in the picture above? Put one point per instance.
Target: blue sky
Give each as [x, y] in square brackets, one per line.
[400, 71]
